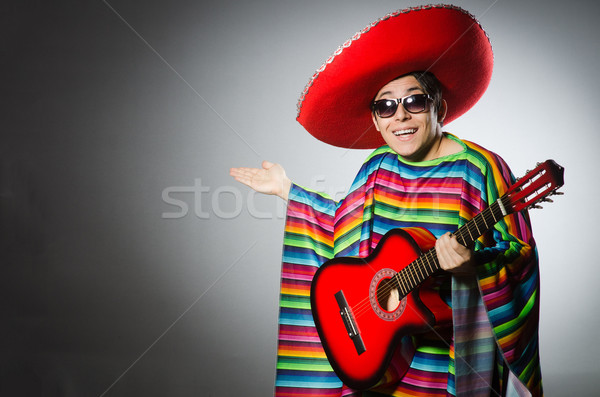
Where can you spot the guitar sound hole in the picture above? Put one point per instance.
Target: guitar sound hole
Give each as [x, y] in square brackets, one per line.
[388, 297]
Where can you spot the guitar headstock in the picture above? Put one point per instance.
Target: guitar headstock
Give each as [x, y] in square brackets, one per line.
[536, 186]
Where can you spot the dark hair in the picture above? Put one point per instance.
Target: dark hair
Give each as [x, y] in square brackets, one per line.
[430, 84]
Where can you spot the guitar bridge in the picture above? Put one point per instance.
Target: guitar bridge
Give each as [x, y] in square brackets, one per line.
[350, 322]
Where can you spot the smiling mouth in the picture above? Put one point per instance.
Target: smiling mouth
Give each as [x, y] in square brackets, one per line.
[408, 131]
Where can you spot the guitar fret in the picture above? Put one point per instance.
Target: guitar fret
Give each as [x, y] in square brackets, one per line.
[477, 227]
[420, 270]
[472, 239]
[401, 283]
[434, 260]
[464, 242]
[413, 272]
[485, 222]
[494, 215]
[406, 280]
[419, 275]
[412, 279]
[431, 268]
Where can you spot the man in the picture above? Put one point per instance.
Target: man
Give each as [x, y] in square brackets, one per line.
[382, 87]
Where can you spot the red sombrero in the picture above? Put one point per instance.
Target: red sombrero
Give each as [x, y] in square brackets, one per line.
[443, 39]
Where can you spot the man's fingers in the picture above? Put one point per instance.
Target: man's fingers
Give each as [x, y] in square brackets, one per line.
[449, 251]
[243, 174]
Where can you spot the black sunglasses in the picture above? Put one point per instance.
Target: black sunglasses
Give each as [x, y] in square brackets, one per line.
[416, 103]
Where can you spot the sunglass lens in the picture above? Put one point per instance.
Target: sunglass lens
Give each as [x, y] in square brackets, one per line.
[386, 108]
[415, 103]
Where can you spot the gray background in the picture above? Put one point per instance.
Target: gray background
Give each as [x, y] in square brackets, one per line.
[132, 264]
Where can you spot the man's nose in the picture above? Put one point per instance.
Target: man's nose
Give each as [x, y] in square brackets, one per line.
[401, 113]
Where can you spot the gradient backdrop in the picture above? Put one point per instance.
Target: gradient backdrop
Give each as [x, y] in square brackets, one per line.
[133, 265]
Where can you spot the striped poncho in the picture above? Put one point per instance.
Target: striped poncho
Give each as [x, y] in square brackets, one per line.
[493, 340]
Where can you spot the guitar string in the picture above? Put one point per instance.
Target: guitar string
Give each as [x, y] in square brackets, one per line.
[417, 265]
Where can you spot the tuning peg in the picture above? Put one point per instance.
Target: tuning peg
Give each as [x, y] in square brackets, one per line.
[536, 207]
[547, 200]
[557, 193]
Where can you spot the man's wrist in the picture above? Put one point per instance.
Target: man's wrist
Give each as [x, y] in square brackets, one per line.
[285, 189]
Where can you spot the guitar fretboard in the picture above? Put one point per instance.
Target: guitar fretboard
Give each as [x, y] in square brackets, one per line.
[419, 270]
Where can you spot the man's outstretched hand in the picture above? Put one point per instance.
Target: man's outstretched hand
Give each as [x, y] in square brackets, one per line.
[270, 179]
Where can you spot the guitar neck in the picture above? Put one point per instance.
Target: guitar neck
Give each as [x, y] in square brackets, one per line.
[482, 222]
[427, 264]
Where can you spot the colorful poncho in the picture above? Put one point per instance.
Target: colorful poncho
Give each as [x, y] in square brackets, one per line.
[493, 341]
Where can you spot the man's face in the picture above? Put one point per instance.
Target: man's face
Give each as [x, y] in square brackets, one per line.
[411, 135]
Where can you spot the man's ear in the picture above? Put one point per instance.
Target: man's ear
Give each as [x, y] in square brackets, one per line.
[374, 118]
[442, 112]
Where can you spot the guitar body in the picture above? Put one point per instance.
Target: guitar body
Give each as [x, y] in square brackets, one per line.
[360, 361]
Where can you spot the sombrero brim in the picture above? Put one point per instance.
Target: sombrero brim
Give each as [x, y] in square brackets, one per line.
[445, 40]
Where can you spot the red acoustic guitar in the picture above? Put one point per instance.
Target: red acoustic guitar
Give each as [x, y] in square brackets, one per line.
[348, 295]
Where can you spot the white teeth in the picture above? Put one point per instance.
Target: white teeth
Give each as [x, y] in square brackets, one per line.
[405, 132]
